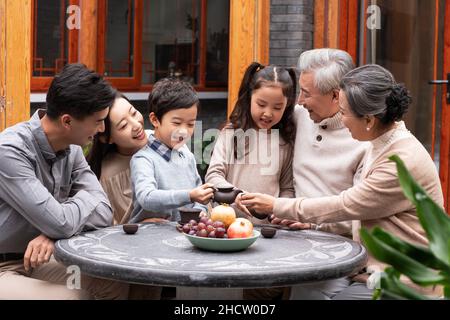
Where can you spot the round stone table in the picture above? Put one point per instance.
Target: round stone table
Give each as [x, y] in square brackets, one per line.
[160, 255]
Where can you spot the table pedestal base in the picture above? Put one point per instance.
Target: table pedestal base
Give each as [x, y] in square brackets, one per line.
[200, 293]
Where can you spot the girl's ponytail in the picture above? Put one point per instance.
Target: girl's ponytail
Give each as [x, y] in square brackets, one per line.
[293, 96]
[252, 69]
[240, 116]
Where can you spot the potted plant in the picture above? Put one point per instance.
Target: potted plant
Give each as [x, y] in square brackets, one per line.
[425, 266]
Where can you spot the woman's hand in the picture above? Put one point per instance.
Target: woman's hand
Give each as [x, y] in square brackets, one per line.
[39, 251]
[261, 203]
[153, 220]
[294, 225]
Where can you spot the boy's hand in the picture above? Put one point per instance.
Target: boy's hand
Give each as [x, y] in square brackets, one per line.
[202, 194]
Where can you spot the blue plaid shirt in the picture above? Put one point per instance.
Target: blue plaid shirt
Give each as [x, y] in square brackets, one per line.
[161, 180]
[161, 149]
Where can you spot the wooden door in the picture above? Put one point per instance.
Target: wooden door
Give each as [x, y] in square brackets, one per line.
[249, 41]
[445, 124]
[411, 38]
[2, 63]
[14, 61]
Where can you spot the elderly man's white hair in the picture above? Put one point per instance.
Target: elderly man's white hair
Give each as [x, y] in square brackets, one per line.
[328, 66]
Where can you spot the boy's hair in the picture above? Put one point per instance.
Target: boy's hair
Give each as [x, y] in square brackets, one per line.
[170, 94]
[79, 92]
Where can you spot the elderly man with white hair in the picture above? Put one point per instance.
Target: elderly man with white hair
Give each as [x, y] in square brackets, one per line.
[327, 160]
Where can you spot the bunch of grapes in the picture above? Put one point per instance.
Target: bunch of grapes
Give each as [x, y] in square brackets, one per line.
[205, 228]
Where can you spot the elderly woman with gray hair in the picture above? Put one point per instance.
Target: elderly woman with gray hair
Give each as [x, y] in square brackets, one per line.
[372, 104]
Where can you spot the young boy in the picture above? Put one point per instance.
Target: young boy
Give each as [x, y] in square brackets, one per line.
[164, 175]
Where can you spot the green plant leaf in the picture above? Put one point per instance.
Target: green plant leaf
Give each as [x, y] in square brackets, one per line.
[86, 149]
[416, 271]
[377, 293]
[393, 288]
[420, 254]
[447, 292]
[433, 218]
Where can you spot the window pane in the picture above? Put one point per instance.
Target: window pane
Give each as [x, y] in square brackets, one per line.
[217, 43]
[170, 41]
[50, 47]
[119, 42]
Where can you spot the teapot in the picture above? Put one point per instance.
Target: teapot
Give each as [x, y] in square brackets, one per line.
[226, 194]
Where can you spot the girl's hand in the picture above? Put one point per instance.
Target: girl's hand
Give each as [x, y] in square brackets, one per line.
[261, 203]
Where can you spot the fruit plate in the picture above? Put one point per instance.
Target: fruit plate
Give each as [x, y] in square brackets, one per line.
[223, 244]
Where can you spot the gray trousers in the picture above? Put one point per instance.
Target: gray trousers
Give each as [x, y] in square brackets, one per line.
[337, 289]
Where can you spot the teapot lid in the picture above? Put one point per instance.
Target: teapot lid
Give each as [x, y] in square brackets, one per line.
[225, 189]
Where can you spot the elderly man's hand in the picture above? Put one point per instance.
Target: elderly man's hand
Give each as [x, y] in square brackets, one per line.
[39, 251]
[240, 206]
[261, 203]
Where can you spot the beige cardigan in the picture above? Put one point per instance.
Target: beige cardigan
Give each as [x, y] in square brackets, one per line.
[253, 173]
[378, 199]
[116, 182]
[327, 161]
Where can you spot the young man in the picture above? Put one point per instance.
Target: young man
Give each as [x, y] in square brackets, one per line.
[48, 192]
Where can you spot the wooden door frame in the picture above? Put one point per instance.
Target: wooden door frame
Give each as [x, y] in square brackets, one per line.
[249, 41]
[445, 126]
[15, 61]
[2, 64]
[336, 25]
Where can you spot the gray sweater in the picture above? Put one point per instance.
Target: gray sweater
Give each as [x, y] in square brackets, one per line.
[161, 186]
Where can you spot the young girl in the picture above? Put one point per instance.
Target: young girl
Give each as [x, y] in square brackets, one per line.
[254, 151]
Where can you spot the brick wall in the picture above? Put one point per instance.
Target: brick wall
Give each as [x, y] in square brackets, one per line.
[291, 30]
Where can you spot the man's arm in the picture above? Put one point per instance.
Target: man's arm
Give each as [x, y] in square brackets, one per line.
[24, 192]
[84, 179]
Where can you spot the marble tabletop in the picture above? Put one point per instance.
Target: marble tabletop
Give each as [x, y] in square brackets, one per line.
[160, 255]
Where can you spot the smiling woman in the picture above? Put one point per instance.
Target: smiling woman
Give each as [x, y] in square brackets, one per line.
[110, 157]
[112, 150]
